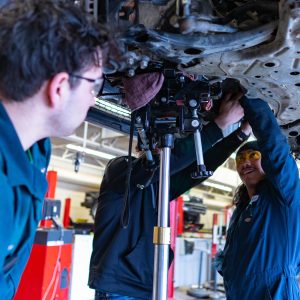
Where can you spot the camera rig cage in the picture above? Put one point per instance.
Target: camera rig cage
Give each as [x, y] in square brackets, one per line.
[182, 106]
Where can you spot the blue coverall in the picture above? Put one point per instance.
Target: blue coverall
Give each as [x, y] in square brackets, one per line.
[262, 251]
[22, 189]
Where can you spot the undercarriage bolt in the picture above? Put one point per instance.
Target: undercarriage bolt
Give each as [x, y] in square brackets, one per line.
[143, 64]
[131, 72]
[130, 61]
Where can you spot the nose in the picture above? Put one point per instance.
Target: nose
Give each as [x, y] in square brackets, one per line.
[246, 163]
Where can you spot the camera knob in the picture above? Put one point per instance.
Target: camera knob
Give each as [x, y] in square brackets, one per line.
[193, 103]
[195, 123]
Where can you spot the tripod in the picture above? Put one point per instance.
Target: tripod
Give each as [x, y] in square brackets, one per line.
[169, 115]
[162, 233]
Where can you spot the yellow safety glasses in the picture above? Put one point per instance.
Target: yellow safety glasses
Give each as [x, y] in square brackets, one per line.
[251, 155]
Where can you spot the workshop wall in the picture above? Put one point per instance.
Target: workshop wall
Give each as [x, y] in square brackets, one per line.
[77, 211]
[77, 194]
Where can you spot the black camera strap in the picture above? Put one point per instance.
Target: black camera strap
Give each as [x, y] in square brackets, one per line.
[126, 201]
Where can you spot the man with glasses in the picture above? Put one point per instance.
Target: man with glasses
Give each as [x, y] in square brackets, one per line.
[261, 258]
[51, 57]
[97, 83]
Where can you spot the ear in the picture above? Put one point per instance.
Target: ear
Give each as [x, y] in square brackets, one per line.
[58, 90]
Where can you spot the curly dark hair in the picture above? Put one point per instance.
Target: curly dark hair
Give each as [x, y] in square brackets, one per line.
[41, 38]
[241, 196]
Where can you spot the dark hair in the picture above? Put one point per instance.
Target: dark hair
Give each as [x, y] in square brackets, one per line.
[241, 196]
[253, 145]
[41, 38]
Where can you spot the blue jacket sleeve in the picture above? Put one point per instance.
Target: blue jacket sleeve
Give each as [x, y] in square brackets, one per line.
[213, 158]
[183, 155]
[6, 230]
[184, 152]
[277, 162]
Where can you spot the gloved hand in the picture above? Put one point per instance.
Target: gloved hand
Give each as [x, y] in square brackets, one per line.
[230, 111]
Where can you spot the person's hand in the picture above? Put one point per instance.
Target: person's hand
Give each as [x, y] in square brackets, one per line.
[246, 128]
[230, 111]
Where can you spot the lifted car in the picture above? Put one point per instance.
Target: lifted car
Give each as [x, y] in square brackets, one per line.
[254, 42]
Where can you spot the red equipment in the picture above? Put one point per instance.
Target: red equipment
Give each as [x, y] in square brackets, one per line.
[66, 218]
[173, 225]
[48, 272]
[180, 216]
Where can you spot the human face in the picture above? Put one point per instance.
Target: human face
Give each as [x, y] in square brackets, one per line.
[248, 165]
[80, 99]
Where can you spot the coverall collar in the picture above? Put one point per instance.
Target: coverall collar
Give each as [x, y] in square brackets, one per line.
[18, 168]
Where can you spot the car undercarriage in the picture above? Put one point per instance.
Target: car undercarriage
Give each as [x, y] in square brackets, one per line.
[254, 42]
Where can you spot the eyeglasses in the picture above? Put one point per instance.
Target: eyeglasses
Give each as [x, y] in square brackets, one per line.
[251, 155]
[97, 83]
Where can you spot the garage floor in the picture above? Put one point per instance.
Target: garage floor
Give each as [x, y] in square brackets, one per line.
[180, 294]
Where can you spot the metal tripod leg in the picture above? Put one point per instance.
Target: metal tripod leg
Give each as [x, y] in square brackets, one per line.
[201, 171]
[162, 233]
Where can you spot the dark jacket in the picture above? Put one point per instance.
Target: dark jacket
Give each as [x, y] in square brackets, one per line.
[122, 259]
[22, 189]
[262, 251]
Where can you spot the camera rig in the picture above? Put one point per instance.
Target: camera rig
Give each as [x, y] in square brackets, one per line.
[182, 106]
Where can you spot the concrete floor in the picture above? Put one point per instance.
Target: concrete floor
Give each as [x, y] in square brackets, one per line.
[181, 294]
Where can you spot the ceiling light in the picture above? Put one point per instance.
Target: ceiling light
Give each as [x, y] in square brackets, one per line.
[217, 186]
[112, 107]
[216, 203]
[90, 151]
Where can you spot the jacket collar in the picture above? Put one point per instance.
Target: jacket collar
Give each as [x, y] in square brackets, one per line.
[16, 165]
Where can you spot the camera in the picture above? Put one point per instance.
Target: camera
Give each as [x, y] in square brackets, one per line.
[183, 104]
[181, 107]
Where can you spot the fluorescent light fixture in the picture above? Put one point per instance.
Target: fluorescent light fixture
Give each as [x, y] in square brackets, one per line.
[92, 152]
[221, 204]
[115, 108]
[251, 138]
[217, 186]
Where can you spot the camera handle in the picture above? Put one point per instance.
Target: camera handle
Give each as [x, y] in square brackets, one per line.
[201, 171]
[144, 140]
[162, 232]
